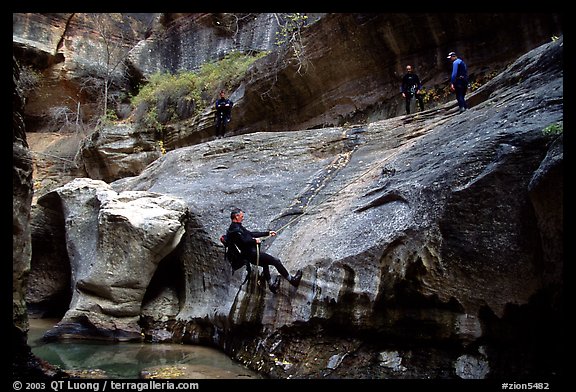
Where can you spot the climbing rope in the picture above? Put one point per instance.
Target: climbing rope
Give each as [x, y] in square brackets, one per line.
[306, 210]
[342, 159]
[257, 264]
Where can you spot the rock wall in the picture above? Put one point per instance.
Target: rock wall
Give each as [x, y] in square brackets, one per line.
[22, 198]
[183, 42]
[359, 78]
[117, 151]
[75, 53]
[422, 239]
[24, 363]
[282, 92]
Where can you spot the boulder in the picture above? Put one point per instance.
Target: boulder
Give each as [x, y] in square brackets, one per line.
[114, 242]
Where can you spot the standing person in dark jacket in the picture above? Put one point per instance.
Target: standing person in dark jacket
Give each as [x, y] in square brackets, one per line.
[459, 80]
[410, 88]
[248, 240]
[223, 108]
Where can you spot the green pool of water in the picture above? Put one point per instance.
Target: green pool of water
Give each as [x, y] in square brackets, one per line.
[127, 360]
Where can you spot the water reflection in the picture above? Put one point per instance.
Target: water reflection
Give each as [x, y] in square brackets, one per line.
[128, 360]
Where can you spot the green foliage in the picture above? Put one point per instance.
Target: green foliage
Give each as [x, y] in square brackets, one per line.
[165, 85]
[294, 22]
[441, 92]
[553, 129]
[150, 119]
[289, 37]
[481, 80]
[434, 94]
[109, 118]
[226, 73]
[157, 101]
[429, 95]
[161, 147]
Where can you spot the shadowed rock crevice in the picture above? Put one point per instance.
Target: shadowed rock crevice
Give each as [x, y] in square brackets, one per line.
[24, 363]
[49, 289]
[524, 334]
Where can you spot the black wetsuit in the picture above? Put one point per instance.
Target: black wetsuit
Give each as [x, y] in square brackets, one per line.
[410, 84]
[223, 114]
[246, 241]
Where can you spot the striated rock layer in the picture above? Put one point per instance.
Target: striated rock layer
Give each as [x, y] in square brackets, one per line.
[348, 66]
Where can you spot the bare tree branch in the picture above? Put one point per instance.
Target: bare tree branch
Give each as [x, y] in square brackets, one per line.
[115, 55]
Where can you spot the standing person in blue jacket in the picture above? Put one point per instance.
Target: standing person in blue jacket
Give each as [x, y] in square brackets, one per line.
[410, 88]
[459, 80]
[223, 108]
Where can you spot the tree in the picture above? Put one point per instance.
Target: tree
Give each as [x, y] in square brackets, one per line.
[291, 46]
[110, 67]
[290, 36]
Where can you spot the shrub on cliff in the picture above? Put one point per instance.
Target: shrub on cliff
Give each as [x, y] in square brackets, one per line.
[172, 97]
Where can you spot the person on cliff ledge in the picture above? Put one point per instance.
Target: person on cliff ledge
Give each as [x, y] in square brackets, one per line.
[459, 80]
[247, 241]
[410, 88]
[223, 108]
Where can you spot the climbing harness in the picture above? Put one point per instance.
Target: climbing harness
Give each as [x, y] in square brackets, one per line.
[258, 259]
[248, 269]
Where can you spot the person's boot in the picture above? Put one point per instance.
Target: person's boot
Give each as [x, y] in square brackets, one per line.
[274, 286]
[295, 280]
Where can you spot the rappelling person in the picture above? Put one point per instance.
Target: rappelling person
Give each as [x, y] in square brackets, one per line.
[249, 243]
